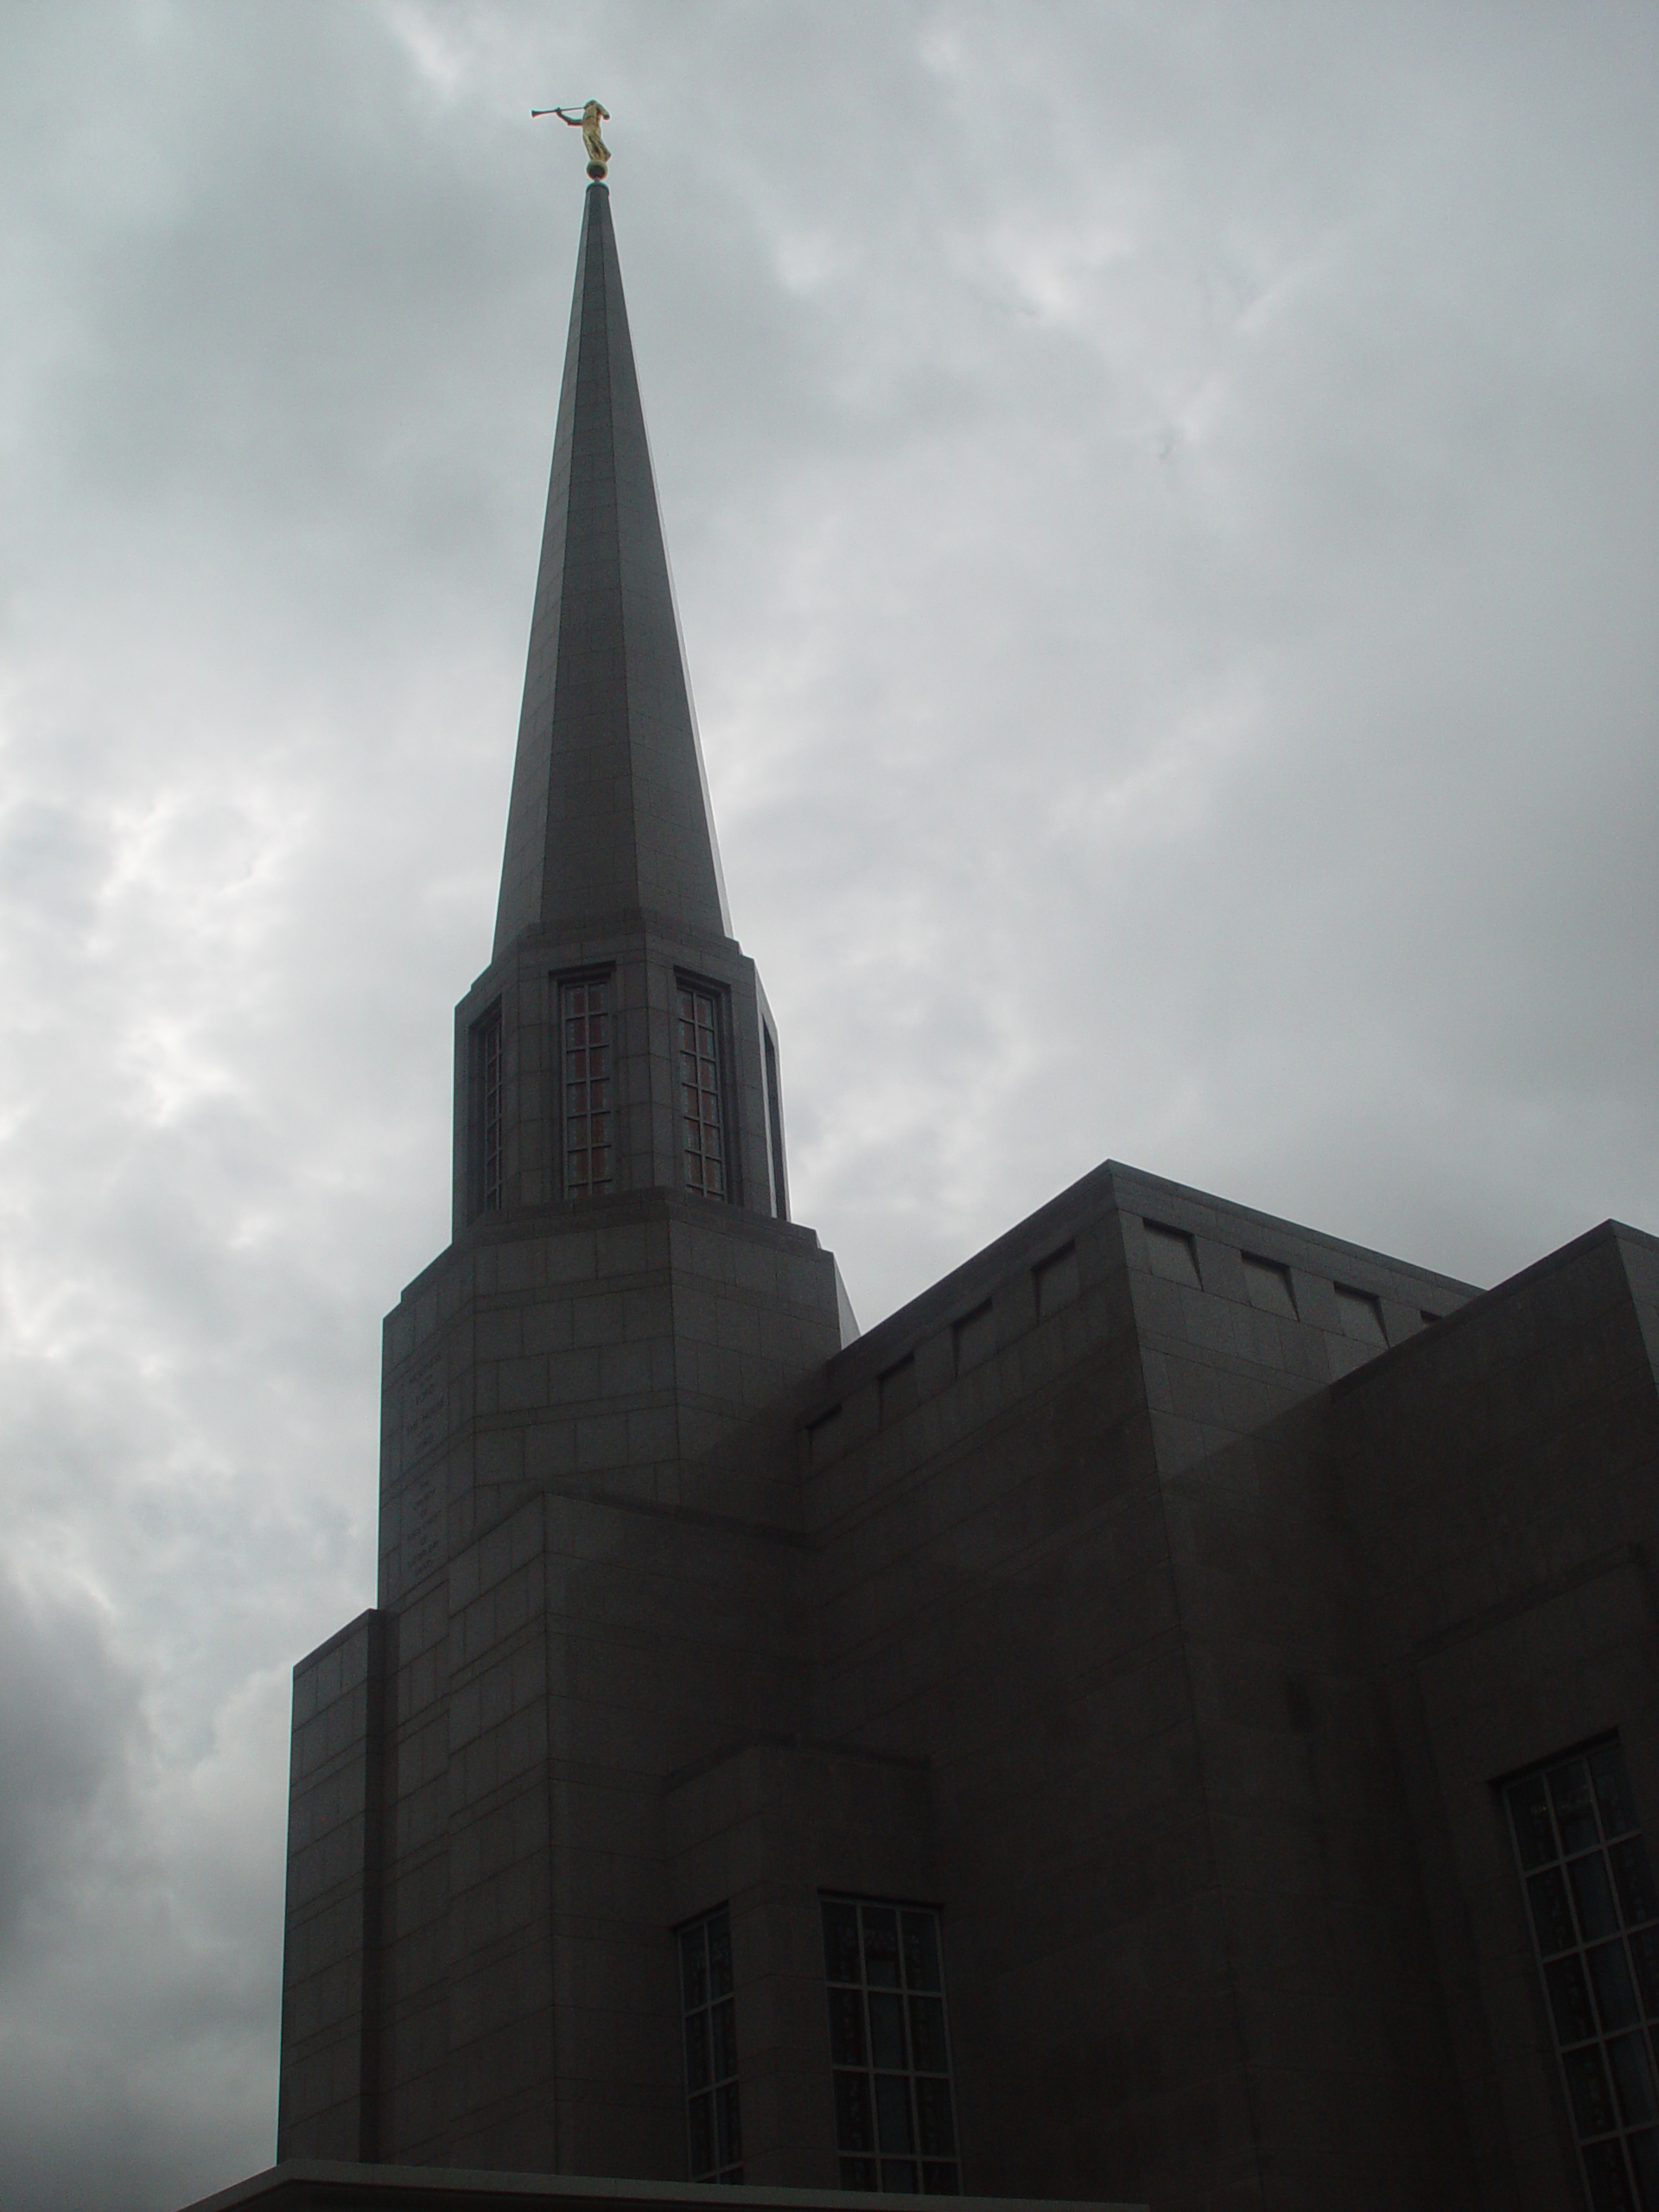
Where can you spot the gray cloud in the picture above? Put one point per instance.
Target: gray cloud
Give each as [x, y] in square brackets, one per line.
[1161, 506]
[66, 1707]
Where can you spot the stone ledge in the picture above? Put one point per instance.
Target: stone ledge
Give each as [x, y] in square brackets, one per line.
[342, 2185]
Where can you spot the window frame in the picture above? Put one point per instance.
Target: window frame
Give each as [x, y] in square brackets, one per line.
[563, 981]
[774, 1123]
[1583, 1984]
[911, 2097]
[718, 998]
[486, 1051]
[708, 2027]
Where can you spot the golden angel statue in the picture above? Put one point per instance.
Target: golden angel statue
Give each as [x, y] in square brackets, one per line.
[587, 122]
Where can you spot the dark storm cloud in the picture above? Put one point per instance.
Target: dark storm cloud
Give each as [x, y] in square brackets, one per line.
[66, 1707]
[1160, 499]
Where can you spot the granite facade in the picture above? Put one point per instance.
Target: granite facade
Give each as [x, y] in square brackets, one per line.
[1172, 1645]
[609, 808]
[1161, 1598]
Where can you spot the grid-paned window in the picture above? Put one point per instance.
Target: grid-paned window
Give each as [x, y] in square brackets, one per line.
[702, 1120]
[1595, 1924]
[584, 1072]
[486, 1048]
[713, 2122]
[895, 2122]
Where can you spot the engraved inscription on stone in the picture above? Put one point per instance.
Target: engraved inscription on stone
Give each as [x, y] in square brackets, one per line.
[425, 1407]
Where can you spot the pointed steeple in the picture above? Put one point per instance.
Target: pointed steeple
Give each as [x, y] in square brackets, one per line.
[609, 813]
[619, 1040]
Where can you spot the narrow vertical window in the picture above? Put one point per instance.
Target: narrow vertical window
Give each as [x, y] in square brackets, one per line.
[895, 2122]
[975, 1336]
[775, 1130]
[486, 1092]
[1267, 1285]
[713, 2122]
[1361, 1316]
[1594, 1913]
[1057, 1281]
[584, 1072]
[701, 1118]
[1171, 1253]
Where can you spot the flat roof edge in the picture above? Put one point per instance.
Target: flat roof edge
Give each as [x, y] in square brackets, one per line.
[320, 2184]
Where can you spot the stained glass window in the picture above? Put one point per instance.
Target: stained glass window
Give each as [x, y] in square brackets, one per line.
[895, 2118]
[714, 2120]
[702, 1120]
[1594, 1914]
[585, 1070]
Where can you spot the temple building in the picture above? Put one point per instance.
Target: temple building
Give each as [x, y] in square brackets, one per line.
[1170, 1715]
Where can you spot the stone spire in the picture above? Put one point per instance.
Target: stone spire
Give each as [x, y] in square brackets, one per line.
[609, 815]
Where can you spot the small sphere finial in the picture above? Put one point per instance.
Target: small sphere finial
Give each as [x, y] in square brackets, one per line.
[586, 119]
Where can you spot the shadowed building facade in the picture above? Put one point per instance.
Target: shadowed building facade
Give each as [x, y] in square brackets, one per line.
[1169, 1714]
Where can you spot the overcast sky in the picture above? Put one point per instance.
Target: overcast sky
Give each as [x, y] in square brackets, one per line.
[1162, 498]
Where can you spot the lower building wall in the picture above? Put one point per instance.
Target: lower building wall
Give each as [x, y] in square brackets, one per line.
[332, 1940]
[1348, 2085]
[767, 1831]
[995, 1596]
[673, 1638]
[1176, 1670]
[1349, 2073]
[1502, 1483]
[511, 1948]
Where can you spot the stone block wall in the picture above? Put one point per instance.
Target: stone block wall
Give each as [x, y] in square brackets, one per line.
[1162, 1596]
[1053, 1562]
[331, 1932]
[764, 1829]
[995, 1596]
[604, 1349]
[560, 1634]
[1502, 1482]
